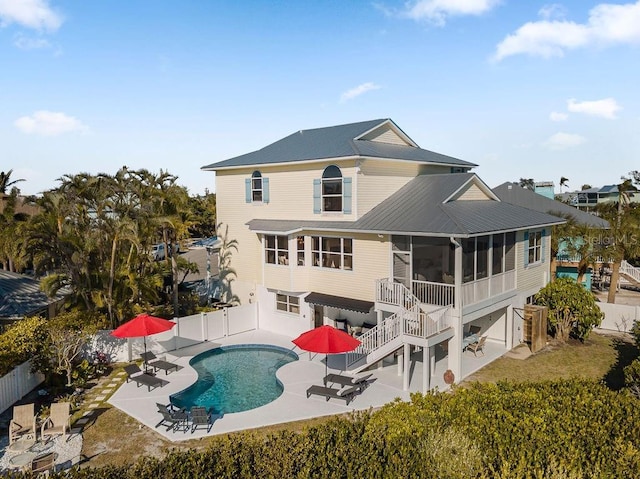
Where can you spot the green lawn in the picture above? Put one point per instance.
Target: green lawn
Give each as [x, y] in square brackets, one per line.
[602, 356]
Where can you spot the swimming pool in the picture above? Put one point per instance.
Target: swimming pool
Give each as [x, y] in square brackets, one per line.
[235, 378]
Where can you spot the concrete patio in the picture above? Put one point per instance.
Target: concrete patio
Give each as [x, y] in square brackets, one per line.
[296, 377]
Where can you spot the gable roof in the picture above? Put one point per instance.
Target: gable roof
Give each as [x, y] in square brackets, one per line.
[21, 296]
[422, 207]
[342, 141]
[517, 195]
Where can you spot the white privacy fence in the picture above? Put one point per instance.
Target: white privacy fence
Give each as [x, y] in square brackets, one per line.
[16, 384]
[188, 331]
[619, 317]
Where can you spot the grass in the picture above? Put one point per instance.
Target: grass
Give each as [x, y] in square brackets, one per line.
[112, 437]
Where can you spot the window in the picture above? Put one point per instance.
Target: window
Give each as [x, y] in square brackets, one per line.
[475, 258]
[276, 250]
[504, 252]
[300, 249]
[332, 189]
[256, 186]
[288, 304]
[535, 246]
[336, 253]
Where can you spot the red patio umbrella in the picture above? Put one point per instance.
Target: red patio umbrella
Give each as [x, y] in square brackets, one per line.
[326, 339]
[143, 325]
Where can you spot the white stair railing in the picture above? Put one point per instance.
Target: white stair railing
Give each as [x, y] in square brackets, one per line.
[630, 270]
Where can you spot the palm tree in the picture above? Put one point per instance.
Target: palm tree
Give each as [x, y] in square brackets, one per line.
[563, 182]
[527, 183]
[5, 183]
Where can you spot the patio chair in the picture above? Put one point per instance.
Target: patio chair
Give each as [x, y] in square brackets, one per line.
[200, 417]
[331, 393]
[166, 366]
[44, 464]
[478, 346]
[142, 378]
[23, 423]
[58, 422]
[474, 329]
[362, 382]
[173, 419]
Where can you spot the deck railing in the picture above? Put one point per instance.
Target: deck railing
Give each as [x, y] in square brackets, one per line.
[434, 293]
[629, 270]
[476, 291]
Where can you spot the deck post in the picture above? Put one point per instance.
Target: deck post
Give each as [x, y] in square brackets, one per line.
[426, 368]
[400, 362]
[407, 366]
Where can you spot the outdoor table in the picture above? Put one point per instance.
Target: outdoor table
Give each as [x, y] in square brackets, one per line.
[22, 460]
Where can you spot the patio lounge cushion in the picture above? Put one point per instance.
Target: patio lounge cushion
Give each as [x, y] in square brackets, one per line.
[361, 382]
[331, 393]
[166, 366]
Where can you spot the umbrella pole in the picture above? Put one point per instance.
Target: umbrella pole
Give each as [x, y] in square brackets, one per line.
[144, 340]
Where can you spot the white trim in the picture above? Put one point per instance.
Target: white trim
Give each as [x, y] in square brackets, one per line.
[479, 183]
[394, 127]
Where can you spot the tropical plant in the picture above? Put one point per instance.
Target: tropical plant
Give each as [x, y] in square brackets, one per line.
[6, 182]
[572, 309]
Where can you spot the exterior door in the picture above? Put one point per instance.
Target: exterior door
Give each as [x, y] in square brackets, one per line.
[318, 315]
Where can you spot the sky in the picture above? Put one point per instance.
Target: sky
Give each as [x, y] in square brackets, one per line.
[524, 89]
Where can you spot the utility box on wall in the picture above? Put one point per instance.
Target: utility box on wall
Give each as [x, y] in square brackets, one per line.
[535, 326]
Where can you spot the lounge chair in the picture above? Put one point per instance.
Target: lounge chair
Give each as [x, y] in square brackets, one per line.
[58, 421]
[361, 382]
[172, 418]
[142, 378]
[45, 463]
[23, 424]
[166, 366]
[478, 346]
[331, 393]
[200, 417]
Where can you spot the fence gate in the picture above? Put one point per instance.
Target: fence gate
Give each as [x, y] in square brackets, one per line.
[534, 325]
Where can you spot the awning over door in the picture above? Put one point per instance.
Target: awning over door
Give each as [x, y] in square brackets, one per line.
[339, 302]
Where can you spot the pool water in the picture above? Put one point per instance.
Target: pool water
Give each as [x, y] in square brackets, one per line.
[235, 378]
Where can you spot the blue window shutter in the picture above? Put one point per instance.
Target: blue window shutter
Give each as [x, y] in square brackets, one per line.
[265, 190]
[346, 188]
[317, 187]
[526, 248]
[542, 235]
[247, 190]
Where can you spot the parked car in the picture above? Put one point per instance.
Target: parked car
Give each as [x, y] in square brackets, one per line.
[157, 251]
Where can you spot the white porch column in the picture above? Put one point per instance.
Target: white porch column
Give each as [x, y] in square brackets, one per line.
[509, 328]
[426, 369]
[455, 343]
[407, 367]
[400, 362]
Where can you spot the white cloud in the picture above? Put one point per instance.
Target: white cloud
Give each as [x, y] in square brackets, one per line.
[30, 43]
[437, 11]
[357, 91]
[563, 141]
[605, 108]
[49, 123]
[36, 14]
[556, 116]
[555, 10]
[607, 25]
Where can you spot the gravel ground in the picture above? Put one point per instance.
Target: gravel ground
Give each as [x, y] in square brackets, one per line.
[67, 448]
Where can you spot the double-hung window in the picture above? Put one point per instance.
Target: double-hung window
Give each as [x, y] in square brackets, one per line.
[335, 253]
[256, 186]
[276, 249]
[535, 247]
[288, 304]
[332, 189]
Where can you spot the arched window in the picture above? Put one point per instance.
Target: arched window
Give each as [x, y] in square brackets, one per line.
[332, 189]
[256, 186]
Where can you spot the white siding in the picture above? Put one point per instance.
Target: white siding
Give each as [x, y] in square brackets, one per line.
[385, 135]
[472, 192]
[534, 276]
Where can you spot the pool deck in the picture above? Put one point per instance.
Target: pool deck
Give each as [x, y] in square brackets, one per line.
[292, 405]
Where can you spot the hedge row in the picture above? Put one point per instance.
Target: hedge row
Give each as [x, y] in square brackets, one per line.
[558, 429]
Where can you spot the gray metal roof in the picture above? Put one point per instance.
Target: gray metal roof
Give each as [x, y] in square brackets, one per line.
[419, 208]
[21, 296]
[516, 195]
[335, 142]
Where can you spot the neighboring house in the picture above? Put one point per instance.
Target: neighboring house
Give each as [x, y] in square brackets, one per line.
[358, 222]
[567, 263]
[588, 199]
[20, 297]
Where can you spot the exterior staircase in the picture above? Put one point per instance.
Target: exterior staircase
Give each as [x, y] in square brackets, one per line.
[630, 273]
[413, 323]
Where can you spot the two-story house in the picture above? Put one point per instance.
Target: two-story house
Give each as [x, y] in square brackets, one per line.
[357, 224]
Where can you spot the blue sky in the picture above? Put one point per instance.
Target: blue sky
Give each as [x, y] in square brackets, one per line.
[524, 89]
